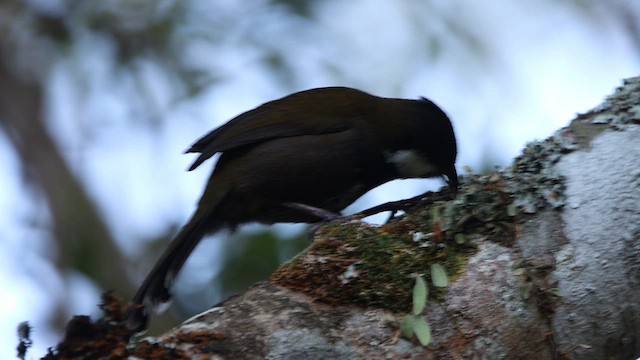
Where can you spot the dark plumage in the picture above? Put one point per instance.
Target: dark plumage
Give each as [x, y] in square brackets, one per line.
[322, 147]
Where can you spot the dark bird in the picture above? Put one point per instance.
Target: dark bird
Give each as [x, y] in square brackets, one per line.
[321, 148]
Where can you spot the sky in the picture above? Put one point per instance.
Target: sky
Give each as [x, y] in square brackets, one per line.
[545, 63]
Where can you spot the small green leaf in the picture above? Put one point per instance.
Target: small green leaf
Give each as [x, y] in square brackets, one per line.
[512, 210]
[406, 327]
[420, 293]
[422, 330]
[460, 238]
[439, 276]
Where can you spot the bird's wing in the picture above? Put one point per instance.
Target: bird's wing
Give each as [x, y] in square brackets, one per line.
[291, 116]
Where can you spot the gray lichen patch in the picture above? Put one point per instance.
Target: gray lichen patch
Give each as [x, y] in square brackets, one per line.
[600, 261]
[619, 109]
[534, 179]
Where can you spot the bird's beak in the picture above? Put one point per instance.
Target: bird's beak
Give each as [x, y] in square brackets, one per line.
[452, 180]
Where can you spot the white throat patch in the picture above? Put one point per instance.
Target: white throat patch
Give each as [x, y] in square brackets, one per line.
[410, 164]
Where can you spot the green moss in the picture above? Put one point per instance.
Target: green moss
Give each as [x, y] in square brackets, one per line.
[352, 262]
[355, 263]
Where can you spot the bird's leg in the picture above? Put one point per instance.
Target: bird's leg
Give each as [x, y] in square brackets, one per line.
[322, 214]
[400, 205]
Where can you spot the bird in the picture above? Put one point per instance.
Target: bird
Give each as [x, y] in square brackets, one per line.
[321, 148]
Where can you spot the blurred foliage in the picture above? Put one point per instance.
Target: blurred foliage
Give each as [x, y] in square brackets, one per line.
[245, 258]
[302, 8]
[251, 257]
[623, 13]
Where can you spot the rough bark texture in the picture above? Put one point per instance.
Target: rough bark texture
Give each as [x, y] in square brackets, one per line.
[557, 279]
[598, 269]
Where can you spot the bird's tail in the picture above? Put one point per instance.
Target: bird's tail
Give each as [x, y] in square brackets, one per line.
[154, 293]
